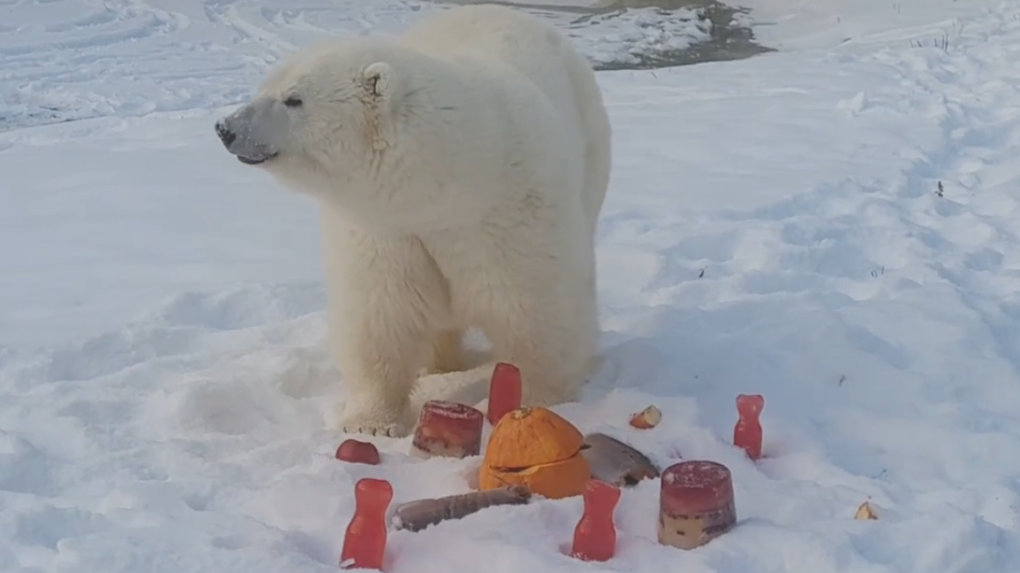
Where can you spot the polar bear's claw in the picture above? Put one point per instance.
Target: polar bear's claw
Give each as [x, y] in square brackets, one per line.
[375, 423]
[385, 431]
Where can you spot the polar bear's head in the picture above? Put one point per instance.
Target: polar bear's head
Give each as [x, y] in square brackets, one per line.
[323, 122]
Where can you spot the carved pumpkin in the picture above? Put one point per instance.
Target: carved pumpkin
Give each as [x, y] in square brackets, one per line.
[536, 448]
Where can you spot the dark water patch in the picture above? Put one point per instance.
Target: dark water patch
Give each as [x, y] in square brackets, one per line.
[730, 38]
[727, 37]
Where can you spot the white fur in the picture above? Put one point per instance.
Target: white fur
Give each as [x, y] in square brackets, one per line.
[461, 168]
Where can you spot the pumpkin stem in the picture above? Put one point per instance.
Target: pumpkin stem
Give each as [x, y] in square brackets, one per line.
[522, 412]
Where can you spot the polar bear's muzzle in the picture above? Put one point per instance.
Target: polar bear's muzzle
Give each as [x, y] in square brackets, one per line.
[247, 132]
[246, 151]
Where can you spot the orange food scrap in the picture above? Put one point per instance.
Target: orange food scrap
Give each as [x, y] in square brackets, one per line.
[646, 419]
[866, 511]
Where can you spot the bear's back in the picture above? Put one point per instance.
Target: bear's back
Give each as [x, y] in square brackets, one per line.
[532, 46]
[546, 58]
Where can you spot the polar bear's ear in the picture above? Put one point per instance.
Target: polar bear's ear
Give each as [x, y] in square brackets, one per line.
[377, 79]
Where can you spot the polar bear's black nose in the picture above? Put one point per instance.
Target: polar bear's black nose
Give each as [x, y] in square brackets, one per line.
[226, 136]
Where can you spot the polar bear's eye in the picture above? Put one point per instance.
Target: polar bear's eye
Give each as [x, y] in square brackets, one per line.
[292, 101]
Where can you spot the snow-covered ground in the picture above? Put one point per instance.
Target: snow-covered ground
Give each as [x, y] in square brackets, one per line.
[833, 225]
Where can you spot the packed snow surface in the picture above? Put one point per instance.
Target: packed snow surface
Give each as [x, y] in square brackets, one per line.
[833, 226]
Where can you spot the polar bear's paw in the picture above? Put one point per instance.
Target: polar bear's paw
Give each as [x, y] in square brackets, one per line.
[376, 422]
[374, 429]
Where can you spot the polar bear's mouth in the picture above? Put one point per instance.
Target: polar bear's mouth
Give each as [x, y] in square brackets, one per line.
[255, 160]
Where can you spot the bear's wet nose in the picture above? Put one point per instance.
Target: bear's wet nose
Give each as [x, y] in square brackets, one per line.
[226, 136]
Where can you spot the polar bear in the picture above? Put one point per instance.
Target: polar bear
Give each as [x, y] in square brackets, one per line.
[460, 170]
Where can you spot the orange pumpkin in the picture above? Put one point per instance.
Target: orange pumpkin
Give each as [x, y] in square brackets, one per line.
[536, 448]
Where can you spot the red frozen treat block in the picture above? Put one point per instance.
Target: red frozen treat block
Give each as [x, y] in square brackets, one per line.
[448, 429]
[595, 533]
[695, 504]
[747, 433]
[365, 539]
[504, 391]
[358, 452]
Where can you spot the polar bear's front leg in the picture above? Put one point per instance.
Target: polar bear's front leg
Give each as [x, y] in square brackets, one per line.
[377, 364]
[386, 298]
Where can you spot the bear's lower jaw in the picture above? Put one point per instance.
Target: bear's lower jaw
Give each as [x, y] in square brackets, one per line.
[255, 160]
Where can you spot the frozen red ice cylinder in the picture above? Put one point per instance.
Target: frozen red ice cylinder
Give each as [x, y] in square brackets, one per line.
[747, 433]
[595, 533]
[695, 503]
[504, 391]
[448, 429]
[365, 539]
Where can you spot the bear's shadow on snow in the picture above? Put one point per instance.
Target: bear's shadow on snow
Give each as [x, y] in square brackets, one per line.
[781, 349]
